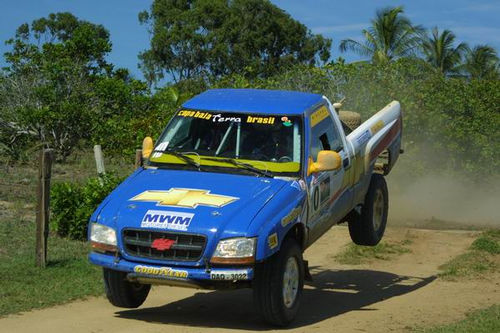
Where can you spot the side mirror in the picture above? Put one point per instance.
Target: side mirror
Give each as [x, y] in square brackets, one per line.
[147, 147]
[327, 160]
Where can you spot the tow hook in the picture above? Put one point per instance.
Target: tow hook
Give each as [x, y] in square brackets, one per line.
[207, 265]
[117, 258]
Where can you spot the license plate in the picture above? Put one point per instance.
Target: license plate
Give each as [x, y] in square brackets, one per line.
[229, 275]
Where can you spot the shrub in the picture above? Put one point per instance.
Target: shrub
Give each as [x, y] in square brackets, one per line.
[488, 242]
[122, 132]
[65, 198]
[450, 124]
[72, 204]
[481, 257]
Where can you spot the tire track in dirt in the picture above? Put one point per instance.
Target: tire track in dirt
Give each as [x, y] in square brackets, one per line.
[379, 296]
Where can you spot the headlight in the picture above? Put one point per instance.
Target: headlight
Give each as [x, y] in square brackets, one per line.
[235, 251]
[102, 238]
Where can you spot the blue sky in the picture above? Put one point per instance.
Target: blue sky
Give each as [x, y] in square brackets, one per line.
[474, 22]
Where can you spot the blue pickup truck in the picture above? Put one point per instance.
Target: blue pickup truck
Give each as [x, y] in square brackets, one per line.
[237, 186]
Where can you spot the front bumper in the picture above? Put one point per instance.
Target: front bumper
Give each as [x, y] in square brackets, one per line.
[213, 278]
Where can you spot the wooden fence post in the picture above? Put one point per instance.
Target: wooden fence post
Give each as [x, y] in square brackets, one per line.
[138, 158]
[42, 213]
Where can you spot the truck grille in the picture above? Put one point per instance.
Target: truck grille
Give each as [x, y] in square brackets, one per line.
[187, 247]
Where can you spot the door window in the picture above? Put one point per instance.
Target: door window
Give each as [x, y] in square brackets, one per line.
[324, 133]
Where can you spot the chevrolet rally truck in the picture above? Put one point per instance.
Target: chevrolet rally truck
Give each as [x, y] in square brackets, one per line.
[238, 185]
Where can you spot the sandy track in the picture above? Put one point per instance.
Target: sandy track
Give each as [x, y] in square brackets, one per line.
[378, 297]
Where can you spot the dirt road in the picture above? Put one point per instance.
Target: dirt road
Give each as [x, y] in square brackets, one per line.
[381, 296]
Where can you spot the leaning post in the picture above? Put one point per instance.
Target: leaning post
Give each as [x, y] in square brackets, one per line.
[99, 163]
[99, 160]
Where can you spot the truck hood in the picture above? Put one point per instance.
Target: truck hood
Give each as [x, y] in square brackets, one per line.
[218, 204]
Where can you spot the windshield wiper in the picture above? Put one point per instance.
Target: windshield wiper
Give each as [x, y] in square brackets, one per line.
[241, 165]
[181, 156]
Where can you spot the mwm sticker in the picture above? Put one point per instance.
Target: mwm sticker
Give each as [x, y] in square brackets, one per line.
[363, 138]
[162, 219]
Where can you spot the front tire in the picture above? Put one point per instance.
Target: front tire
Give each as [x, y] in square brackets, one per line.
[123, 293]
[278, 285]
[368, 227]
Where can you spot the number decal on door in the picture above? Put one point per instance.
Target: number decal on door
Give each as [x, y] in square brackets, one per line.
[316, 198]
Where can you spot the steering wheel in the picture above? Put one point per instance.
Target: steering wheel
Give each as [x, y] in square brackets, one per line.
[284, 159]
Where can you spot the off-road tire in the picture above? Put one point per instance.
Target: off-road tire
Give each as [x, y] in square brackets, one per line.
[365, 228]
[269, 283]
[123, 293]
[350, 118]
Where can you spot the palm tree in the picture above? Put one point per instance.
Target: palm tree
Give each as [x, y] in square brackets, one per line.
[482, 62]
[390, 36]
[440, 52]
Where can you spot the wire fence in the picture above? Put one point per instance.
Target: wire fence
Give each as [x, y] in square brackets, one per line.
[17, 184]
[13, 192]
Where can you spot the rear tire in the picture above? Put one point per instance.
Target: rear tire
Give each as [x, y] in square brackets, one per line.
[368, 227]
[278, 285]
[123, 293]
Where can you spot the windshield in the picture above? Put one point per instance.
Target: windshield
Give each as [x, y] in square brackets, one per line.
[232, 142]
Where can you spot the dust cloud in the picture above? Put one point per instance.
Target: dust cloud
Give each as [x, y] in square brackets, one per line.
[442, 201]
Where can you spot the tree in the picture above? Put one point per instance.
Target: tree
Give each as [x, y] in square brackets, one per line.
[59, 36]
[440, 52]
[47, 93]
[481, 62]
[202, 38]
[390, 36]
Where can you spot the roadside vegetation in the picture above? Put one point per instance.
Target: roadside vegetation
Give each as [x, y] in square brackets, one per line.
[355, 254]
[73, 204]
[58, 90]
[68, 275]
[483, 256]
[481, 321]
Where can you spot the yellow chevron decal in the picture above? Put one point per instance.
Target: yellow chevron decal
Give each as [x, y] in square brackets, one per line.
[183, 197]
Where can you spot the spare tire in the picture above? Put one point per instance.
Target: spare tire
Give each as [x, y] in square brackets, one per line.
[350, 118]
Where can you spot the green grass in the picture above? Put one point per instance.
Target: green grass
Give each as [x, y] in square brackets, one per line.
[489, 241]
[68, 275]
[481, 257]
[481, 321]
[23, 286]
[355, 254]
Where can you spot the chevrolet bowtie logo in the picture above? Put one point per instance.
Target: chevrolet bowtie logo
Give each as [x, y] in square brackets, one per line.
[185, 198]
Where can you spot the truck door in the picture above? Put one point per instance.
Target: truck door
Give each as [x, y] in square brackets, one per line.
[327, 201]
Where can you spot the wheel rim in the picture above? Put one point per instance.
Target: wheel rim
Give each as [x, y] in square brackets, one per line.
[378, 209]
[290, 282]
